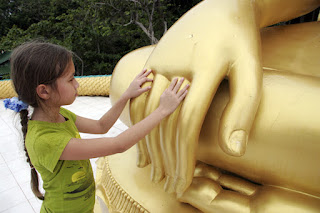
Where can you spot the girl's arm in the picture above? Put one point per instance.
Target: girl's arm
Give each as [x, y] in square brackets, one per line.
[79, 149]
[107, 120]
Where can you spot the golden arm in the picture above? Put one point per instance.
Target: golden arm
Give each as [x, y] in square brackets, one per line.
[274, 11]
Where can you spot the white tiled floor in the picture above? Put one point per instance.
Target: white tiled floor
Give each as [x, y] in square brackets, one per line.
[15, 191]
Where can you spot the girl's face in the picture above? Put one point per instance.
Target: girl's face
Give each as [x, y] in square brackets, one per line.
[66, 86]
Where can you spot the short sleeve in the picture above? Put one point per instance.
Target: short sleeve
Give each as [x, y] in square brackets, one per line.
[49, 148]
[68, 114]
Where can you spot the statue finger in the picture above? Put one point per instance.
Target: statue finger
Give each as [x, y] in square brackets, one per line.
[153, 138]
[245, 80]
[191, 117]
[168, 129]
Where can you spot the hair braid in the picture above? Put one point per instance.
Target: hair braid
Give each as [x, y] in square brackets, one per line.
[34, 174]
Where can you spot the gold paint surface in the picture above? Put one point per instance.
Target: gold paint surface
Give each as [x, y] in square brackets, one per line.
[251, 116]
[135, 184]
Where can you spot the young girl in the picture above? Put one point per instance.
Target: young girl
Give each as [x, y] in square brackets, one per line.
[43, 77]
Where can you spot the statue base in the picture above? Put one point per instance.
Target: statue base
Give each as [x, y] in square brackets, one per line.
[123, 187]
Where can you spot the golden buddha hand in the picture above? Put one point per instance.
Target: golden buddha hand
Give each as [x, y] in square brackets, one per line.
[277, 156]
[213, 190]
[204, 56]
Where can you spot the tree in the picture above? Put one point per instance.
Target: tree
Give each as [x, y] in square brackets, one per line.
[98, 32]
[151, 16]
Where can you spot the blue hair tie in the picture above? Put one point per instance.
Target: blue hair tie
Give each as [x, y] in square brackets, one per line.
[15, 104]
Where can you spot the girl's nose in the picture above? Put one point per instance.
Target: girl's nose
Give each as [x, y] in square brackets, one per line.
[76, 84]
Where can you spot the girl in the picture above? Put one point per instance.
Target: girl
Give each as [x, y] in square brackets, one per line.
[43, 77]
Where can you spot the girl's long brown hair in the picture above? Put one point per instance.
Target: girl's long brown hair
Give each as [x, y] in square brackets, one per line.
[32, 64]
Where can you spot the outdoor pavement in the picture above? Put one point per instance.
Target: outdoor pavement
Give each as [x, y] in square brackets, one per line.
[15, 191]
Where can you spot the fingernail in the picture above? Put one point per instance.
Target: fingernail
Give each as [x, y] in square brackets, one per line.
[238, 143]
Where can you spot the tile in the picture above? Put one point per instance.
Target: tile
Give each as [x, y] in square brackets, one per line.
[23, 176]
[103, 106]
[27, 191]
[7, 183]
[24, 207]
[18, 164]
[7, 179]
[12, 155]
[8, 149]
[4, 170]
[120, 125]
[93, 115]
[5, 129]
[11, 118]
[36, 204]
[113, 132]
[10, 198]
[6, 112]
[8, 144]
[1, 159]
[8, 129]
[9, 138]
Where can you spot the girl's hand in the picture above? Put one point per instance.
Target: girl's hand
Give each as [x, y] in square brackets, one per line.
[172, 96]
[135, 89]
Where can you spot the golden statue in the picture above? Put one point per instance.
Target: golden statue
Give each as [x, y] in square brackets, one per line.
[258, 150]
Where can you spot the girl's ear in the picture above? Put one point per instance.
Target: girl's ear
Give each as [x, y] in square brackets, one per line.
[43, 91]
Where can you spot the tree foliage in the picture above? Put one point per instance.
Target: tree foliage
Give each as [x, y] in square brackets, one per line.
[98, 32]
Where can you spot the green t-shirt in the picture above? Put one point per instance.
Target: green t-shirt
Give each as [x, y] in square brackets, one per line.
[69, 184]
